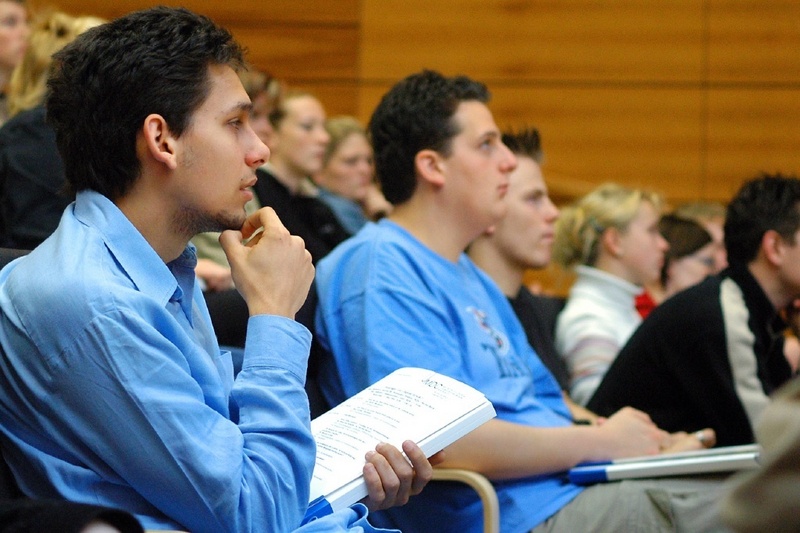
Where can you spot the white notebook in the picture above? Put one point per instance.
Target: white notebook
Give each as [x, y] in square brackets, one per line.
[724, 459]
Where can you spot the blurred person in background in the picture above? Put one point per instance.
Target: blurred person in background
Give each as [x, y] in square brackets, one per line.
[31, 171]
[346, 182]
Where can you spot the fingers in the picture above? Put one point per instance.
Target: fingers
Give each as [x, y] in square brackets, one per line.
[263, 218]
[394, 477]
[706, 437]
[422, 469]
[391, 480]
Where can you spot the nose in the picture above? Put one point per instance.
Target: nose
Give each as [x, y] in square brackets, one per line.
[663, 245]
[258, 154]
[554, 211]
[323, 137]
[509, 162]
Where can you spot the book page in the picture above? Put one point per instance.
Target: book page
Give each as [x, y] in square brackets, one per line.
[409, 404]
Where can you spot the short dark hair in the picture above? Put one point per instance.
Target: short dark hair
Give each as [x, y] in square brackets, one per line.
[416, 114]
[769, 202]
[525, 142]
[109, 79]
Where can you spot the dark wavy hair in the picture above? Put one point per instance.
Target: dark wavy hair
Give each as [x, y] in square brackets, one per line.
[109, 79]
[416, 114]
[769, 202]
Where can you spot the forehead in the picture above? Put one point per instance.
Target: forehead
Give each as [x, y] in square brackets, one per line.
[527, 175]
[354, 141]
[474, 119]
[226, 91]
[303, 105]
[8, 5]
[646, 214]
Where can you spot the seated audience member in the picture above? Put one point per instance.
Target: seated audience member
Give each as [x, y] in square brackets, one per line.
[710, 215]
[31, 173]
[401, 293]
[611, 238]
[522, 240]
[113, 390]
[36, 516]
[689, 259]
[298, 145]
[346, 181]
[767, 499]
[14, 34]
[711, 355]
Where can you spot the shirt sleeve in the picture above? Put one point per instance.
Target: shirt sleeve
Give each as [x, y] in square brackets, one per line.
[143, 407]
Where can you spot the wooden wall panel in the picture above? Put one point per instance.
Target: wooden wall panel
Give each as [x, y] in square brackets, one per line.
[578, 40]
[647, 138]
[243, 12]
[752, 131]
[296, 54]
[754, 41]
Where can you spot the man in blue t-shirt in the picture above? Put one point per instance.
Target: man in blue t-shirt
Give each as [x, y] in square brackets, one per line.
[403, 293]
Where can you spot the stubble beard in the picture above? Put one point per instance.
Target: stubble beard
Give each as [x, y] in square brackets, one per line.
[190, 221]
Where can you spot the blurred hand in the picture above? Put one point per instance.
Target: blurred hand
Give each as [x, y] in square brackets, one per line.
[630, 432]
[682, 441]
[216, 277]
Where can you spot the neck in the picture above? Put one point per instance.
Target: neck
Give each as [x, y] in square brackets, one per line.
[148, 214]
[506, 274]
[437, 230]
[615, 267]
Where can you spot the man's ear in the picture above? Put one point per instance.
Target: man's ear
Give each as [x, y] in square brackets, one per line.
[428, 164]
[772, 246]
[159, 141]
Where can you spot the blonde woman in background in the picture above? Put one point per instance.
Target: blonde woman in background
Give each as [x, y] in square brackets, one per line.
[611, 238]
[31, 171]
[14, 32]
[346, 182]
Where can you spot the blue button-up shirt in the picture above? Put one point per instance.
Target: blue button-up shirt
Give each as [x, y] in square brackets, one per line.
[113, 390]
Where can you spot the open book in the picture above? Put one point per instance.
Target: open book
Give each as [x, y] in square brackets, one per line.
[409, 404]
[724, 459]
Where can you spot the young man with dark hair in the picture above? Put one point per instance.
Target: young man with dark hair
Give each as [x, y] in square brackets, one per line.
[403, 293]
[113, 389]
[711, 355]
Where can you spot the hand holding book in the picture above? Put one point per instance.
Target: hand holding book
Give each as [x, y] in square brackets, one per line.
[410, 404]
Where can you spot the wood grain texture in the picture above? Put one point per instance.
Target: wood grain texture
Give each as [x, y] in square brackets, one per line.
[578, 40]
[243, 12]
[754, 42]
[751, 131]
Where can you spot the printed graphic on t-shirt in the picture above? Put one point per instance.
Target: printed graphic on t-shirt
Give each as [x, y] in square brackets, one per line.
[497, 345]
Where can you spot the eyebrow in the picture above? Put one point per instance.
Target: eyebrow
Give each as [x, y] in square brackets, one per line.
[241, 106]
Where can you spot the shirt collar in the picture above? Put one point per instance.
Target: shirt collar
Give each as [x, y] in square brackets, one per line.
[614, 284]
[130, 249]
